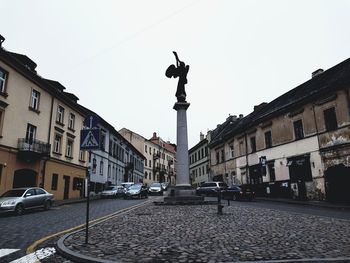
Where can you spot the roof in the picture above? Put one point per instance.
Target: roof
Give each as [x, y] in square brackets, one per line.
[330, 80]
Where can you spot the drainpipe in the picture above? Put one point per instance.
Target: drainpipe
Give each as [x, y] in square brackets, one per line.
[48, 141]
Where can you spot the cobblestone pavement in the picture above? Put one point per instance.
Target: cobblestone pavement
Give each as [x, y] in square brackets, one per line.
[197, 234]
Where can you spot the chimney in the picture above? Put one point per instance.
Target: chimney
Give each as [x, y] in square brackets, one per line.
[234, 117]
[257, 107]
[240, 116]
[2, 39]
[317, 72]
[201, 136]
[154, 135]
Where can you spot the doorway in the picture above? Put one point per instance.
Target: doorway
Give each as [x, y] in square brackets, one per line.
[66, 187]
[24, 178]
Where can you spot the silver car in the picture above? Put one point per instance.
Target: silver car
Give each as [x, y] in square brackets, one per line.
[113, 192]
[19, 199]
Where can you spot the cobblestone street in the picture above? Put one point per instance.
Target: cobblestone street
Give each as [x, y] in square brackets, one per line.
[197, 234]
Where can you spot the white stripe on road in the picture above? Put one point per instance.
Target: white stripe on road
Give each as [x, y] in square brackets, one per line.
[7, 251]
[37, 255]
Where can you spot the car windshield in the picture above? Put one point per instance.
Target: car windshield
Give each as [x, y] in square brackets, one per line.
[155, 185]
[13, 193]
[111, 188]
[135, 187]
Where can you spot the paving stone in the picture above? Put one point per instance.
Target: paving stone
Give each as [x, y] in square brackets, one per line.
[197, 234]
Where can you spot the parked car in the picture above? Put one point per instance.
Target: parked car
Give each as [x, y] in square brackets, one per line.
[20, 199]
[113, 192]
[210, 188]
[156, 189]
[126, 185]
[238, 193]
[136, 191]
[165, 186]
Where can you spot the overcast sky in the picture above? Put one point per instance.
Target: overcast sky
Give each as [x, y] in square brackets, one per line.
[113, 54]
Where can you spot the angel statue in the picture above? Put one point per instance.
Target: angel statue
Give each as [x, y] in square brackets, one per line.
[180, 70]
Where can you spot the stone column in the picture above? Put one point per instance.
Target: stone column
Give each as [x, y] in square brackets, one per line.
[182, 167]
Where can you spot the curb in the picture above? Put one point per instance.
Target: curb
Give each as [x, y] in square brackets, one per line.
[77, 257]
[305, 203]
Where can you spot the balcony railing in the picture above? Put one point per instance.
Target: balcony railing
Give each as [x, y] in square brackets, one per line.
[156, 156]
[33, 146]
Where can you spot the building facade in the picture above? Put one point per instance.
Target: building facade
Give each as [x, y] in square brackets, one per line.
[159, 156]
[40, 124]
[116, 160]
[199, 162]
[296, 146]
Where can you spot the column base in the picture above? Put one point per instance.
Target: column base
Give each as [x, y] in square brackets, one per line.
[183, 195]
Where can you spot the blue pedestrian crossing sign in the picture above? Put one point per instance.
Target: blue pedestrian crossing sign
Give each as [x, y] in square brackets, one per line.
[89, 139]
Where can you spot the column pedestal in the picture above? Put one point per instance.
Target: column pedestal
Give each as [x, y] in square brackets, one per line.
[182, 193]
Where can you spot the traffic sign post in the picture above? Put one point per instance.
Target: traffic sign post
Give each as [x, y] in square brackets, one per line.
[89, 140]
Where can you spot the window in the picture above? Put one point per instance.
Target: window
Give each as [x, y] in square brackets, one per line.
[222, 156]
[253, 144]
[271, 167]
[102, 142]
[34, 104]
[241, 148]
[298, 129]
[232, 151]
[217, 157]
[82, 155]
[268, 139]
[60, 115]
[57, 143]
[39, 191]
[77, 183]
[145, 148]
[30, 133]
[54, 181]
[3, 76]
[101, 167]
[71, 121]
[94, 164]
[69, 148]
[202, 151]
[330, 119]
[146, 175]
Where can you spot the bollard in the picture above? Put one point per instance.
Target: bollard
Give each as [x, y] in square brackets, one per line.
[220, 206]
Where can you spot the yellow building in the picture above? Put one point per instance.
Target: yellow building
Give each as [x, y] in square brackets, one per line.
[39, 130]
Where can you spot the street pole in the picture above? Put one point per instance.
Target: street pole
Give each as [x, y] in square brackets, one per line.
[87, 203]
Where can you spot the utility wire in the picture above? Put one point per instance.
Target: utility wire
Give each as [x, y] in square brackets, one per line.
[132, 36]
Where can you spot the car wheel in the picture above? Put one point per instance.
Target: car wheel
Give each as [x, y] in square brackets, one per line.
[19, 210]
[47, 205]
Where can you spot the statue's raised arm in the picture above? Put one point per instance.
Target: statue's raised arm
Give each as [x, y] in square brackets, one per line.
[180, 71]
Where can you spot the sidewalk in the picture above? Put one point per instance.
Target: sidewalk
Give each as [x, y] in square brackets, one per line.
[307, 202]
[196, 233]
[73, 201]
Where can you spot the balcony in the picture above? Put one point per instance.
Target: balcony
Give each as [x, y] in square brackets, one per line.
[32, 150]
[156, 156]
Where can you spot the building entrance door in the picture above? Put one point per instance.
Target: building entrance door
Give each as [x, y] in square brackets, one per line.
[24, 178]
[66, 187]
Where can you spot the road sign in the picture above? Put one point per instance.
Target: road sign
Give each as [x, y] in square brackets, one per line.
[91, 121]
[89, 139]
